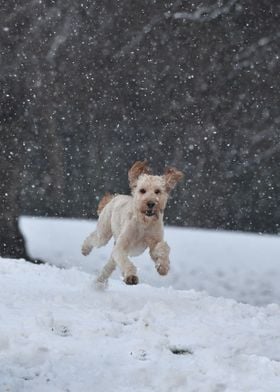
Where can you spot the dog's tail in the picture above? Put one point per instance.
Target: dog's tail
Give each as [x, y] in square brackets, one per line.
[105, 200]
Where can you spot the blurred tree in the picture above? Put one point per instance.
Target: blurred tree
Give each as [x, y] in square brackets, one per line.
[88, 87]
[11, 241]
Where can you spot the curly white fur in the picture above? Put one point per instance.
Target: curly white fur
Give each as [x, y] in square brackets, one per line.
[135, 222]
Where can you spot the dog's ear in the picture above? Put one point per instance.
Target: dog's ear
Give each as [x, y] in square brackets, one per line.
[138, 168]
[171, 177]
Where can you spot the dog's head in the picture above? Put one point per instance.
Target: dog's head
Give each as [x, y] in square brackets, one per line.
[151, 192]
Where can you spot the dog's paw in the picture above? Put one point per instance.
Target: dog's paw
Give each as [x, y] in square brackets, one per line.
[162, 269]
[86, 248]
[100, 285]
[131, 279]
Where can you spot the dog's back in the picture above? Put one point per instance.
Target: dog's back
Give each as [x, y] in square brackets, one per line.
[104, 201]
[113, 212]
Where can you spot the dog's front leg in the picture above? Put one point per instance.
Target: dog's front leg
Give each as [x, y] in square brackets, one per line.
[160, 254]
[121, 258]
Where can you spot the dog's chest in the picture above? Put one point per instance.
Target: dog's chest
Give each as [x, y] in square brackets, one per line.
[137, 249]
[138, 244]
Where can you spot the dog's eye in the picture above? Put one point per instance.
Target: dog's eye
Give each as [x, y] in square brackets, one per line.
[142, 190]
[157, 191]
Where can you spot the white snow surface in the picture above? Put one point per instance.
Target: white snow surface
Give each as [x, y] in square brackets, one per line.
[58, 333]
[236, 265]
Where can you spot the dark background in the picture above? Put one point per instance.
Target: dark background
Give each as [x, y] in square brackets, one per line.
[88, 87]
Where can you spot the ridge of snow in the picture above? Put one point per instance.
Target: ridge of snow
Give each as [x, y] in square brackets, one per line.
[229, 264]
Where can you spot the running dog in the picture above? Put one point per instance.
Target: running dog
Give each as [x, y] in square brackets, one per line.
[135, 221]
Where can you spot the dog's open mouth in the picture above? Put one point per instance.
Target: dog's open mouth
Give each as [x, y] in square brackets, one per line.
[150, 213]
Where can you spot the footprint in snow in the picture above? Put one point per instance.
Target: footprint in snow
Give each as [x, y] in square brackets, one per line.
[61, 330]
[141, 355]
[180, 350]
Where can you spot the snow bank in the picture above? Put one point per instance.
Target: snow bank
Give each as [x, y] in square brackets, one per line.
[58, 334]
[233, 265]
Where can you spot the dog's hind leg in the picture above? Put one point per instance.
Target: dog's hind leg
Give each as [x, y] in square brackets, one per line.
[101, 236]
[106, 272]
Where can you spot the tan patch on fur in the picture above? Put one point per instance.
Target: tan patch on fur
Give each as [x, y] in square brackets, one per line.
[138, 168]
[105, 200]
[172, 176]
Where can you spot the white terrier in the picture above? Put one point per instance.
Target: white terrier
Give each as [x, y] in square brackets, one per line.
[136, 222]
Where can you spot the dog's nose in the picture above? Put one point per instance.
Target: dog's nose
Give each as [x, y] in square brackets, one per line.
[151, 204]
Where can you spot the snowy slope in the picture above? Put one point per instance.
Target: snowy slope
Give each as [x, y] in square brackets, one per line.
[58, 334]
[245, 267]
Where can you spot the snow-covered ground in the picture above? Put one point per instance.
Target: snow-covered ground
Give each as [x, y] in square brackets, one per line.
[57, 333]
[245, 267]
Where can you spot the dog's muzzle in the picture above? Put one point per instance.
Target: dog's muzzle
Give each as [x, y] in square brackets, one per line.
[150, 210]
